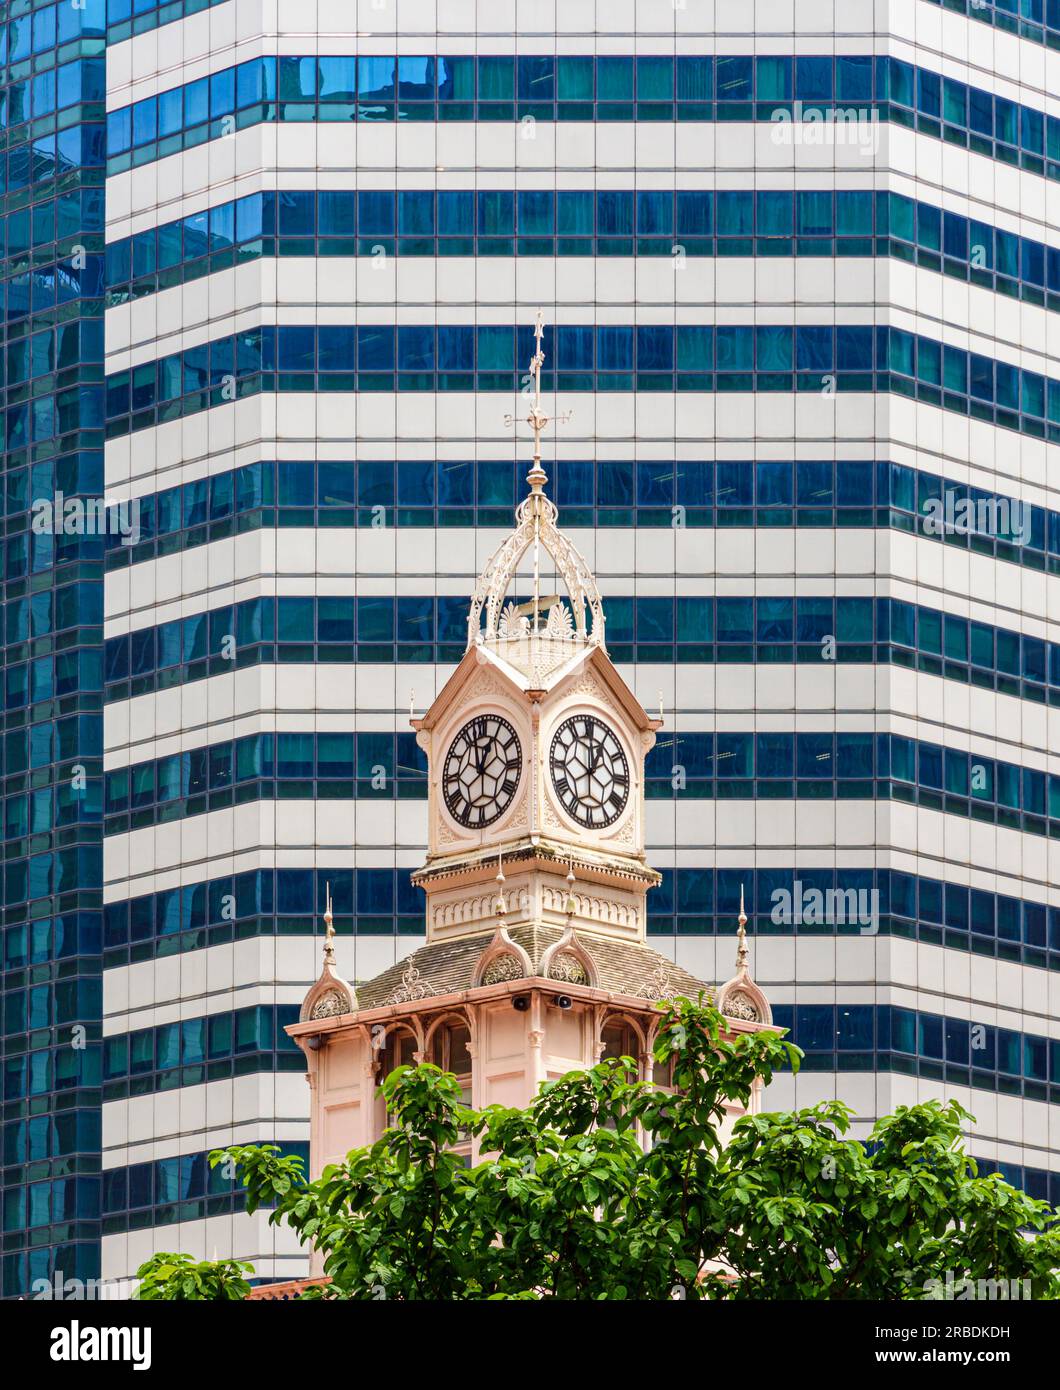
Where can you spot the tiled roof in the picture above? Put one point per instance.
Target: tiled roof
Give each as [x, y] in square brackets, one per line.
[447, 967]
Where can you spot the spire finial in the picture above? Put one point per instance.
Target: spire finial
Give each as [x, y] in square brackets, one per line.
[329, 928]
[741, 936]
[537, 419]
[537, 478]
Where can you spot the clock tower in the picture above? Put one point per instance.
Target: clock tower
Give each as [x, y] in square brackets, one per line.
[536, 747]
[536, 879]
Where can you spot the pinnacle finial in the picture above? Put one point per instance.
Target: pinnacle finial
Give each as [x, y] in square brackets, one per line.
[499, 905]
[329, 928]
[741, 936]
[572, 902]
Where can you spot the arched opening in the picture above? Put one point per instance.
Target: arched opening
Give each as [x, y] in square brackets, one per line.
[450, 1050]
[620, 1039]
[449, 1047]
[398, 1050]
[662, 1074]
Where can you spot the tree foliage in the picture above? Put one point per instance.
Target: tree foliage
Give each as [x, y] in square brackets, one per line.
[571, 1203]
[169, 1277]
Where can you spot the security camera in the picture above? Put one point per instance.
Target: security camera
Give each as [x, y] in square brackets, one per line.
[521, 1003]
[563, 1001]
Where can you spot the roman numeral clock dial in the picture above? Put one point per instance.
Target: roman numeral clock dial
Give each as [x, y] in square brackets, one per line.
[481, 773]
[589, 771]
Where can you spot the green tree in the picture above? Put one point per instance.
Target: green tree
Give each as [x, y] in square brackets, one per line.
[179, 1277]
[572, 1204]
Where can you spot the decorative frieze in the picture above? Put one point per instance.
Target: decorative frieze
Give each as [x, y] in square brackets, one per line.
[456, 912]
[592, 908]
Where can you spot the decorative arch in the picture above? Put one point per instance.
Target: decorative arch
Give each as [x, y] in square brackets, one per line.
[500, 948]
[408, 1023]
[455, 1015]
[655, 1023]
[641, 1028]
[330, 997]
[568, 945]
[742, 1000]
[535, 519]
[621, 1016]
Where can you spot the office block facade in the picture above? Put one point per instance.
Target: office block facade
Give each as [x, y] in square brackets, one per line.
[270, 284]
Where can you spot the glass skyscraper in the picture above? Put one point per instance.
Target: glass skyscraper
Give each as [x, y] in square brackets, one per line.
[271, 273]
[53, 175]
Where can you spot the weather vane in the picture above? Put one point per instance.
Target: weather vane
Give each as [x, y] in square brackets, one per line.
[538, 421]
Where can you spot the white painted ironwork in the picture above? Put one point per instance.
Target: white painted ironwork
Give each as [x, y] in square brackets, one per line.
[539, 636]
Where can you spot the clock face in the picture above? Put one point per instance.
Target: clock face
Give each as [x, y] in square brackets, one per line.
[481, 771]
[589, 771]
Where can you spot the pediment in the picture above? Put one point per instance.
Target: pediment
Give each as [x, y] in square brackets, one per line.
[478, 675]
[330, 997]
[599, 678]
